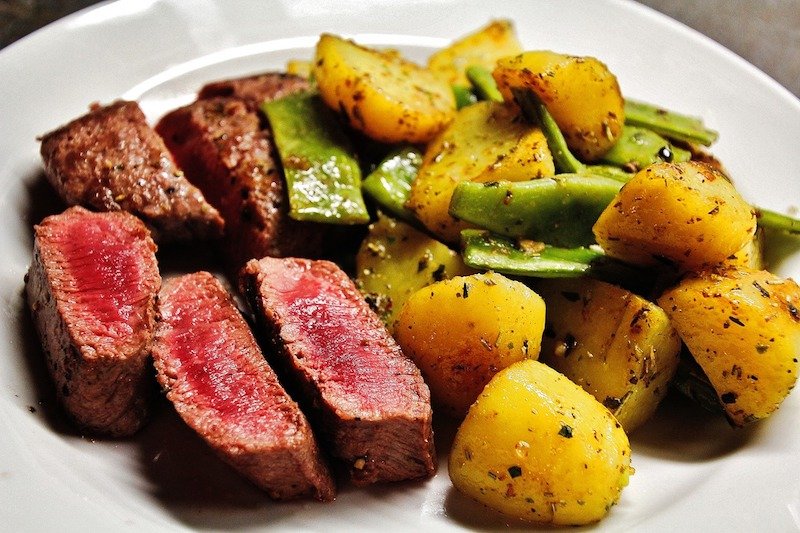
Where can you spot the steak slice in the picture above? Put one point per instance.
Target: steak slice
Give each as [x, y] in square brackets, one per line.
[110, 160]
[221, 385]
[254, 90]
[91, 289]
[223, 149]
[368, 399]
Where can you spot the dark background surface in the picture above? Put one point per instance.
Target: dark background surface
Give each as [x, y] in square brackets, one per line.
[764, 32]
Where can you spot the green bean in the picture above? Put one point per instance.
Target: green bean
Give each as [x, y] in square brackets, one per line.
[484, 250]
[670, 124]
[390, 183]
[560, 210]
[484, 84]
[323, 177]
[535, 111]
[464, 96]
[776, 221]
[639, 147]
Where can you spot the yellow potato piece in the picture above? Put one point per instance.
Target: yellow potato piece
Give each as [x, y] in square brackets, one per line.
[486, 141]
[461, 331]
[618, 346]
[381, 94]
[299, 67]
[743, 328]
[538, 447]
[581, 94]
[685, 213]
[482, 48]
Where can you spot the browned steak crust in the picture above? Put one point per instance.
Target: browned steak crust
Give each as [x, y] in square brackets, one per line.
[221, 385]
[367, 399]
[253, 90]
[110, 160]
[91, 289]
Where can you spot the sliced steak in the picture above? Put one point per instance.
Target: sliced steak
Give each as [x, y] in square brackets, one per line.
[368, 400]
[225, 152]
[110, 160]
[221, 385]
[91, 289]
[254, 90]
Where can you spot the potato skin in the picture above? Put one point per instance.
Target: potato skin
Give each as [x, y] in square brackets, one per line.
[381, 94]
[538, 447]
[688, 214]
[581, 94]
[742, 326]
[486, 141]
[460, 332]
[618, 346]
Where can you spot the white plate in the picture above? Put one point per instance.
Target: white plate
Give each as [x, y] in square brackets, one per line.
[693, 472]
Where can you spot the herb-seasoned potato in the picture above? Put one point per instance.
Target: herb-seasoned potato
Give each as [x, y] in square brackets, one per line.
[685, 213]
[475, 146]
[395, 260]
[461, 331]
[750, 255]
[581, 94]
[619, 347]
[742, 326]
[482, 48]
[299, 67]
[538, 447]
[381, 94]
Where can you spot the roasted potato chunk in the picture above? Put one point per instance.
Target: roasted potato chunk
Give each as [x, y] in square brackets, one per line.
[461, 331]
[381, 94]
[581, 94]
[538, 447]
[688, 214]
[742, 326]
[618, 346]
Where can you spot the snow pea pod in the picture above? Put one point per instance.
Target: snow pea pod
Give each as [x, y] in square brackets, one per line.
[390, 183]
[668, 123]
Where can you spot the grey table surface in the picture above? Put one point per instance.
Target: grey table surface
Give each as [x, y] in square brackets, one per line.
[764, 32]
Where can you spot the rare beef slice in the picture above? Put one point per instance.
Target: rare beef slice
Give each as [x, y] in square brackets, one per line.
[110, 160]
[221, 385]
[91, 289]
[224, 150]
[368, 401]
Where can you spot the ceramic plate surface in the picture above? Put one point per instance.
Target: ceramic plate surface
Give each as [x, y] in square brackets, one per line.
[692, 471]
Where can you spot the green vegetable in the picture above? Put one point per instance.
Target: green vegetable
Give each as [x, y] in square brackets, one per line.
[535, 111]
[606, 171]
[484, 83]
[692, 382]
[464, 96]
[639, 147]
[778, 222]
[483, 250]
[668, 123]
[560, 210]
[390, 183]
[323, 177]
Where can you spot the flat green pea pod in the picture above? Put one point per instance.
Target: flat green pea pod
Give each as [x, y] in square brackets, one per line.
[464, 95]
[323, 177]
[390, 183]
[638, 147]
[560, 210]
[668, 123]
[486, 251]
[484, 84]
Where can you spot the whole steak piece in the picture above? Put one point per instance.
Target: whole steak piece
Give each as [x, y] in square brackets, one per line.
[91, 289]
[220, 384]
[367, 399]
[111, 160]
[224, 150]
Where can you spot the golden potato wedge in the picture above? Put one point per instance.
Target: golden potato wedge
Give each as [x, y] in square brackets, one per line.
[478, 141]
[684, 213]
[299, 67]
[581, 94]
[460, 332]
[483, 48]
[618, 346]
[538, 447]
[381, 94]
[395, 260]
[742, 326]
